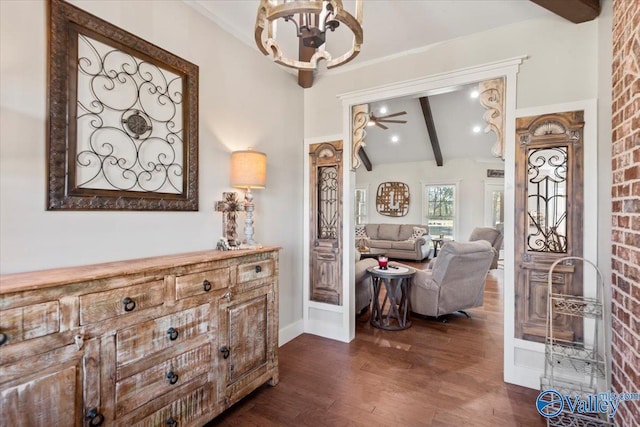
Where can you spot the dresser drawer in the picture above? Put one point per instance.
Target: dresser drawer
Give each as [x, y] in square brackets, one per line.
[200, 283]
[149, 337]
[255, 270]
[189, 406]
[31, 321]
[117, 302]
[138, 389]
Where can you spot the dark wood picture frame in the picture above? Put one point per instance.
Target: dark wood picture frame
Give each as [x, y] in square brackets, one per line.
[67, 24]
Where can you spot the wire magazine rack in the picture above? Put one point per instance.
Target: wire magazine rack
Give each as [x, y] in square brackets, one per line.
[576, 369]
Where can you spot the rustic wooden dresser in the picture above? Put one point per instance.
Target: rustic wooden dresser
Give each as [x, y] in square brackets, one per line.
[164, 341]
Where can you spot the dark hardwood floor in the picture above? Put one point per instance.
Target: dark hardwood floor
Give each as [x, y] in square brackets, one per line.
[432, 374]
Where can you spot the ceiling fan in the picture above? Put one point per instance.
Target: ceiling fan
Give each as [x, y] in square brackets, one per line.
[378, 121]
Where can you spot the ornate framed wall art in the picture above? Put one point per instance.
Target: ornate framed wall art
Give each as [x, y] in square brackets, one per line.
[123, 119]
[392, 199]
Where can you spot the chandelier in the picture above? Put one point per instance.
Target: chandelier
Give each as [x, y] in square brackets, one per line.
[312, 19]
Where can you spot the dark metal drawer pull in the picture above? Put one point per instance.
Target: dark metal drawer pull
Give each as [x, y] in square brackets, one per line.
[225, 352]
[258, 269]
[129, 304]
[171, 422]
[173, 334]
[95, 417]
[3, 338]
[172, 377]
[206, 285]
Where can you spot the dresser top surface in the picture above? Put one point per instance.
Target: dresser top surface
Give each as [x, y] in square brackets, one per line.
[59, 276]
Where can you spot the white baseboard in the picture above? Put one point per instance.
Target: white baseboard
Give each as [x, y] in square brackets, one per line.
[289, 332]
[326, 330]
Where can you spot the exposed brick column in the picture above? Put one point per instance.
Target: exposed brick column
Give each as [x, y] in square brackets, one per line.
[625, 194]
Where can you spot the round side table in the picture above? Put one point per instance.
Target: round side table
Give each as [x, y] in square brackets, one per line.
[392, 313]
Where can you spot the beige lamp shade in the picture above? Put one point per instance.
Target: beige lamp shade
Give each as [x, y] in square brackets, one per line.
[248, 169]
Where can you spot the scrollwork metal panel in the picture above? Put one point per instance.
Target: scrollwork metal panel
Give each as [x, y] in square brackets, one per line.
[129, 122]
[123, 119]
[547, 199]
[328, 202]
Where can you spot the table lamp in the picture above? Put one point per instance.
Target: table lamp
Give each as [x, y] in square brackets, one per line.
[248, 172]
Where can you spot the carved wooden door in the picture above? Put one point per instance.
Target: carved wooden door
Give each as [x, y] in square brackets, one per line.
[549, 220]
[325, 173]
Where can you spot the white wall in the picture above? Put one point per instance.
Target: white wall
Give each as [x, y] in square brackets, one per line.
[245, 100]
[469, 174]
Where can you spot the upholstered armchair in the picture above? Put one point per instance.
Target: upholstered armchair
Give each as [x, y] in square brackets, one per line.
[456, 281]
[491, 235]
[363, 283]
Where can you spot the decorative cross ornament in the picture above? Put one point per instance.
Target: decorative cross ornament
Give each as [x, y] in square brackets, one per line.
[230, 206]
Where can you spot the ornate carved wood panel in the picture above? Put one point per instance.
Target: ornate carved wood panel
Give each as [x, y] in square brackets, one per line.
[492, 98]
[325, 189]
[549, 222]
[359, 119]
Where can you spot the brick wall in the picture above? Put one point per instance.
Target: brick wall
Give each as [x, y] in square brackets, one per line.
[625, 194]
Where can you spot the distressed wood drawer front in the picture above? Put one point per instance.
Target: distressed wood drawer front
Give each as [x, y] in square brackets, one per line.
[132, 299]
[255, 270]
[184, 411]
[138, 389]
[32, 321]
[199, 283]
[152, 336]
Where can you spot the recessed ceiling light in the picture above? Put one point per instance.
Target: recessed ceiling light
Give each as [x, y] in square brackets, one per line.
[383, 110]
[474, 94]
[395, 138]
[477, 129]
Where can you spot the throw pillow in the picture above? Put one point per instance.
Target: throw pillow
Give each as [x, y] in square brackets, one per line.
[418, 232]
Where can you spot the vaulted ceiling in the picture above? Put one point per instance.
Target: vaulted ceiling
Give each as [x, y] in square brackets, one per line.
[392, 27]
[455, 115]
[397, 27]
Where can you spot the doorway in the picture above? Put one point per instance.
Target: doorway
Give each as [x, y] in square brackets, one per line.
[506, 69]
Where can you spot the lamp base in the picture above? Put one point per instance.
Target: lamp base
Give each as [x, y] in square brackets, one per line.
[248, 242]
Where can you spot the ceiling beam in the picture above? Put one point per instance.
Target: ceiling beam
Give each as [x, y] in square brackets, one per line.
[365, 159]
[576, 11]
[305, 77]
[431, 128]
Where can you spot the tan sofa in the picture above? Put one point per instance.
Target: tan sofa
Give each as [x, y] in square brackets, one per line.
[395, 240]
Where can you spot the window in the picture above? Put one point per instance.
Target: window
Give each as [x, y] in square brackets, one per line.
[440, 208]
[361, 206]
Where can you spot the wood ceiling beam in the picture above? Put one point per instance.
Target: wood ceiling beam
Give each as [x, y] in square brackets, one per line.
[305, 77]
[576, 11]
[365, 159]
[431, 128]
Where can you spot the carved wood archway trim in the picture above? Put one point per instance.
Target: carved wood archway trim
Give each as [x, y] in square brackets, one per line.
[492, 98]
[359, 120]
